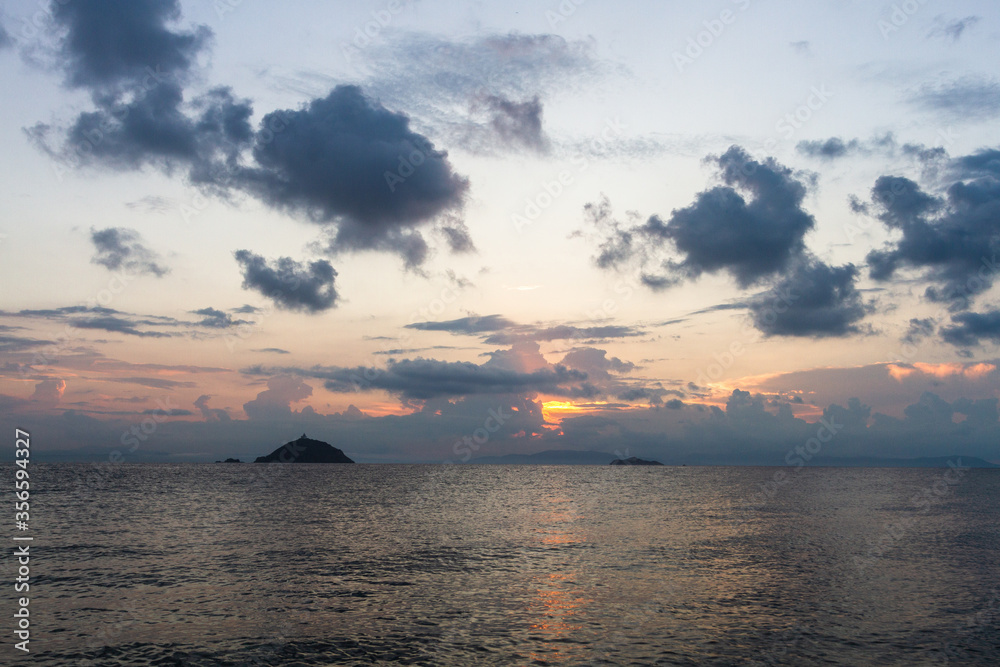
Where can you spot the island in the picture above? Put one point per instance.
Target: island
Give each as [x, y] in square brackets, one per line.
[230, 460]
[305, 450]
[634, 461]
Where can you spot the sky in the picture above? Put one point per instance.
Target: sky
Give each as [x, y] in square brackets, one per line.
[430, 231]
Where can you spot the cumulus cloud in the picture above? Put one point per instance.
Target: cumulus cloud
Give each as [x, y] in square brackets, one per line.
[342, 160]
[950, 237]
[275, 401]
[210, 414]
[346, 159]
[122, 248]
[291, 285]
[751, 227]
[813, 299]
[49, 391]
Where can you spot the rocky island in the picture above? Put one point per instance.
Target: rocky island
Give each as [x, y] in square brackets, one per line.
[305, 450]
[634, 461]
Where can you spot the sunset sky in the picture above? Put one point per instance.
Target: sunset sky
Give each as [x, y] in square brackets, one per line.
[428, 231]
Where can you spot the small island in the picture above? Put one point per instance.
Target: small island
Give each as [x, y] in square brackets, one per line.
[634, 461]
[230, 460]
[305, 450]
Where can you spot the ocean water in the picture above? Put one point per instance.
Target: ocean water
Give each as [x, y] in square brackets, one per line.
[246, 564]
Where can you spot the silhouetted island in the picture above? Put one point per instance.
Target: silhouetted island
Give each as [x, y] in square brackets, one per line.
[634, 461]
[230, 460]
[305, 450]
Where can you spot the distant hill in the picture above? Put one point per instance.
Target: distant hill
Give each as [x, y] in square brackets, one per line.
[305, 450]
[550, 457]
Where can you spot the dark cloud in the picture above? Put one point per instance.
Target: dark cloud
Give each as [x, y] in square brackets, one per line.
[919, 329]
[517, 123]
[346, 159]
[885, 144]
[10, 344]
[115, 325]
[952, 29]
[273, 350]
[962, 99]
[814, 300]
[423, 379]
[459, 240]
[291, 285]
[503, 331]
[217, 319]
[5, 38]
[343, 160]
[474, 324]
[135, 67]
[830, 148]
[971, 329]
[952, 237]
[121, 248]
[107, 45]
[752, 227]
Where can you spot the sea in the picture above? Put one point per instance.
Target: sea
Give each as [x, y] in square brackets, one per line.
[298, 564]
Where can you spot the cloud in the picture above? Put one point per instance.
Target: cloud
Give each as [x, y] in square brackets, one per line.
[473, 324]
[107, 45]
[814, 300]
[10, 344]
[950, 237]
[963, 99]
[482, 93]
[952, 29]
[342, 161]
[217, 319]
[752, 227]
[275, 401]
[211, 414]
[291, 285]
[49, 391]
[272, 350]
[562, 332]
[136, 67]
[348, 160]
[517, 123]
[503, 331]
[970, 329]
[5, 38]
[833, 147]
[803, 48]
[115, 325]
[157, 383]
[122, 248]
[173, 412]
